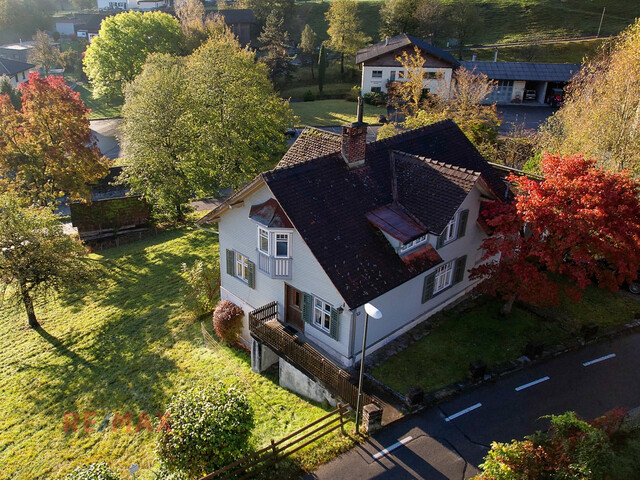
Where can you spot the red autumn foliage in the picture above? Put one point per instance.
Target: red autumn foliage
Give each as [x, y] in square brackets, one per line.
[47, 148]
[581, 223]
[227, 321]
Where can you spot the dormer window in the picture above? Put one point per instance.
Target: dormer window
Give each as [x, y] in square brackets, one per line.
[450, 230]
[455, 228]
[413, 244]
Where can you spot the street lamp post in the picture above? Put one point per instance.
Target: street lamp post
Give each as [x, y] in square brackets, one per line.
[370, 311]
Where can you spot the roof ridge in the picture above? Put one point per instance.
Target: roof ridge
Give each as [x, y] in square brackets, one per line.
[440, 163]
[439, 123]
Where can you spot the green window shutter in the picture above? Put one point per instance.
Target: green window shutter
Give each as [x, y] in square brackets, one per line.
[462, 226]
[334, 329]
[461, 265]
[440, 241]
[231, 258]
[427, 288]
[251, 274]
[307, 307]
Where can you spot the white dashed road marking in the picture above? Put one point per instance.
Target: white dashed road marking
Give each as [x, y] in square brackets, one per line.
[382, 453]
[531, 384]
[606, 357]
[462, 412]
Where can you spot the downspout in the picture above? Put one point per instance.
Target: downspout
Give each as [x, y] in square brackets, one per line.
[352, 333]
[206, 229]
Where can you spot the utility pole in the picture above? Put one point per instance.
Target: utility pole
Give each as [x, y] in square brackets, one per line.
[601, 18]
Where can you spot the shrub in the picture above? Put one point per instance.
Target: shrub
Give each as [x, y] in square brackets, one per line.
[353, 94]
[308, 96]
[93, 471]
[378, 99]
[201, 289]
[227, 321]
[207, 428]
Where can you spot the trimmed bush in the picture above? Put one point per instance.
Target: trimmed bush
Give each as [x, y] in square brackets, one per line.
[308, 96]
[379, 99]
[201, 289]
[227, 321]
[353, 94]
[93, 471]
[206, 429]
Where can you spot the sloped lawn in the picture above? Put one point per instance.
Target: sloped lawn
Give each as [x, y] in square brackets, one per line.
[481, 333]
[122, 347]
[326, 113]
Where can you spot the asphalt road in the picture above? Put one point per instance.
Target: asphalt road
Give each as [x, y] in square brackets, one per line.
[450, 440]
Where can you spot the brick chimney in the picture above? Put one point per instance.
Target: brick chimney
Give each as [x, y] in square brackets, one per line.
[354, 140]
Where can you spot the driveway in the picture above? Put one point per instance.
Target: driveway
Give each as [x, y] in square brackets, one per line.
[105, 132]
[532, 116]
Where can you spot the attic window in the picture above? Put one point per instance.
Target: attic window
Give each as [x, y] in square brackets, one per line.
[450, 230]
[411, 245]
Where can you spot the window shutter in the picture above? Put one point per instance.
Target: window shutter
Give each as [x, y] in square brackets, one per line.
[440, 241]
[335, 324]
[461, 265]
[307, 307]
[231, 258]
[462, 226]
[251, 274]
[427, 289]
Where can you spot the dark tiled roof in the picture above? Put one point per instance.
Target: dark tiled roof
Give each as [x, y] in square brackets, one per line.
[431, 191]
[11, 67]
[327, 203]
[240, 15]
[311, 143]
[539, 72]
[399, 41]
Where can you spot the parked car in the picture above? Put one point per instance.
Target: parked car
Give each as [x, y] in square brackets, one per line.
[556, 97]
[530, 96]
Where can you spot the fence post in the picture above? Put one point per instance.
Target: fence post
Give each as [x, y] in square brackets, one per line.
[275, 451]
[340, 412]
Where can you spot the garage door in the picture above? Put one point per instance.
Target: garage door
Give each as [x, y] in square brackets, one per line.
[502, 93]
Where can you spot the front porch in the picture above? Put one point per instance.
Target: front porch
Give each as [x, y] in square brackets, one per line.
[265, 328]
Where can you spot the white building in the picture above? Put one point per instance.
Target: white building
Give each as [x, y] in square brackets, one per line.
[16, 71]
[142, 5]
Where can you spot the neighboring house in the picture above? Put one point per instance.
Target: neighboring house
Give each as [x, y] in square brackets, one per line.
[91, 26]
[143, 5]
[380, 66]
[340, 223]
[240, 21]
[516, 78]
[16, 71]
[16, 51]
[69, 27]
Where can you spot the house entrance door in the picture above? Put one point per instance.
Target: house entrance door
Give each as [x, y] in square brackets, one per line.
[293, 314]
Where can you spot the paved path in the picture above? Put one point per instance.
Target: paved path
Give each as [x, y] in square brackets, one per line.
[450, 440]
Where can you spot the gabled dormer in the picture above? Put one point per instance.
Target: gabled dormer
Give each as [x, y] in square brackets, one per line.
[274, 237]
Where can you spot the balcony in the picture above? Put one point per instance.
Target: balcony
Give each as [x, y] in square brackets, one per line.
[274, 267]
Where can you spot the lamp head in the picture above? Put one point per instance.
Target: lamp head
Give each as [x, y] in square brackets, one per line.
[372, 311]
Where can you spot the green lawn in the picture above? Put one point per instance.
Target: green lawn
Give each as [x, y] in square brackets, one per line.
[572, 52]
[323, 113]
[123, 346]
[99, 107]
[481, 333]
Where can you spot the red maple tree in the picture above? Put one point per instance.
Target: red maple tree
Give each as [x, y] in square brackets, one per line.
[579, 225]
[46, 147]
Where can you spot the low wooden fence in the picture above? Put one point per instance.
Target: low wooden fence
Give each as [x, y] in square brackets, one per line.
[302, 355]
[255, 463]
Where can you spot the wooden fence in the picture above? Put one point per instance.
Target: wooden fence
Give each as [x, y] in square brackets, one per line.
[255, 463]
[264, 326]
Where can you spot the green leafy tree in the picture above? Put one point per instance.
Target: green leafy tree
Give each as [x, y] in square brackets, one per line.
[7, 88]
[202, 287]
[44, 54]
[432, 20]
[308, 45]
[36, 256]
[125, 40]
[93, 471]
[205, 429]
[262, 8]
[192, 19]
[47, 149]
[345, 35]
[601, 113]
[274, 44]
[322, 67]
[194, 125]
[466, 20]
[399, 16]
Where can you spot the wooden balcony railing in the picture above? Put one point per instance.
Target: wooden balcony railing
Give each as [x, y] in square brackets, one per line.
[273, 266]
[299, 353]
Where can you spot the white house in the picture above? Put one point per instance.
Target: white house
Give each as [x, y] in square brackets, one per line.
[380, 65]
[340, 223]
[16, 71]
[131, 4]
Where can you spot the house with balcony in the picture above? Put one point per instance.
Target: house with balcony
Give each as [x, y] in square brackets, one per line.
[340, 223]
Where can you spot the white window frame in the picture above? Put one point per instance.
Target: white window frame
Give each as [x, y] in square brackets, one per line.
[451, 230]
[241, 267]
[376, 74]
[444, 277]
[322, 314]
[283, 236]
[263, 234]
[414, 243]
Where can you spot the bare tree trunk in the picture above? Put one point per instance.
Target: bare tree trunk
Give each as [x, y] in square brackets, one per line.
[342, 64]
[312, 76]
[508, 306]
[28, 306]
